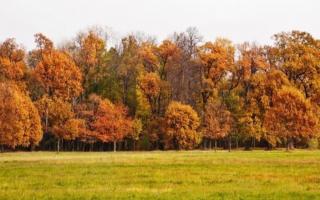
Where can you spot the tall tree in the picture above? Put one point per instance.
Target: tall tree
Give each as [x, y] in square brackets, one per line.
[90, 56]
[216, 59]
[19, 119]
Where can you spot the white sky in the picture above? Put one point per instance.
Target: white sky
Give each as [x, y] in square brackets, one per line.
[238, 20]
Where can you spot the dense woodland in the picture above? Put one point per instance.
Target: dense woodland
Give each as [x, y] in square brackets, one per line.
[140, 94]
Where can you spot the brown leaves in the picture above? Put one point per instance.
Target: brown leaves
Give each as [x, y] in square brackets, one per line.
[217, 121]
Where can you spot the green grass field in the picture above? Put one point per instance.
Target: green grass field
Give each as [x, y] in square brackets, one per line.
[161, 175]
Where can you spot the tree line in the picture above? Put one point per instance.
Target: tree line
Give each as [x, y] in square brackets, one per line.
[181, 93]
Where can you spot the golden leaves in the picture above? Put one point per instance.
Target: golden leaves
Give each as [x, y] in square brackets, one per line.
[291, 115]
[150, 84]
[180, 126]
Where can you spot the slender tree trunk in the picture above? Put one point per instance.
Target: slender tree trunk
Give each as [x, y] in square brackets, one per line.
[114, 146]
[210, 144]
[58, 145]
[134, 145]
[2, 148]
[46, 119]
[73, 145]
[237, 143]
[125, 145]
[215, 145]
[229, 143]
[62, 146]
[254, 142]
[289, 144]
[101, 147]
[91, 146]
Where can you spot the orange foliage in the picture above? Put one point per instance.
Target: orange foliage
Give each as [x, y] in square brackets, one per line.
[19, 119]
[12, 65]
[110, 122]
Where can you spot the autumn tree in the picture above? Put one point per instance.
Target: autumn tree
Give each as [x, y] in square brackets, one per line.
[184, 69]
[128, 70]
[12, 63]
[168, 56]
[297, 54]
[249, 76]
[217, 122]
[60, 80]
[55, 70]
[263, 87]
[19, 119]
[110, 122]
[291, 116]
[89, 53]
[180, 126]
[59, 119]
[150, 86]
[215, 59]
[135, 134]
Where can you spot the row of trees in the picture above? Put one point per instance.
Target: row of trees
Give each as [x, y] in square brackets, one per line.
[182, 93]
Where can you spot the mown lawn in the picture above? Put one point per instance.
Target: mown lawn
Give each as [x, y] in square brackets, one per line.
[161, 175]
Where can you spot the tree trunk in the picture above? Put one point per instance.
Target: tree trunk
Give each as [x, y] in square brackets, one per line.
[134, 145]
[32, 147]
[46, 119]
[91, 146]
[237, 143]
[290, 145]
[114, 146]
[61, 144]
[58, 145]
[73, 145]
[215, 145]
[229, 143]
[210, 144]
[253, 143]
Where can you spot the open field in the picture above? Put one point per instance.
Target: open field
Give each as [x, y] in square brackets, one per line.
[161, 175]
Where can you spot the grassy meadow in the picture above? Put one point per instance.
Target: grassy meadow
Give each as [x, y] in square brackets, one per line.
[161, 175]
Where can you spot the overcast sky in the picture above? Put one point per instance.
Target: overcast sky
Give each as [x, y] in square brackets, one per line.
[238, 20]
